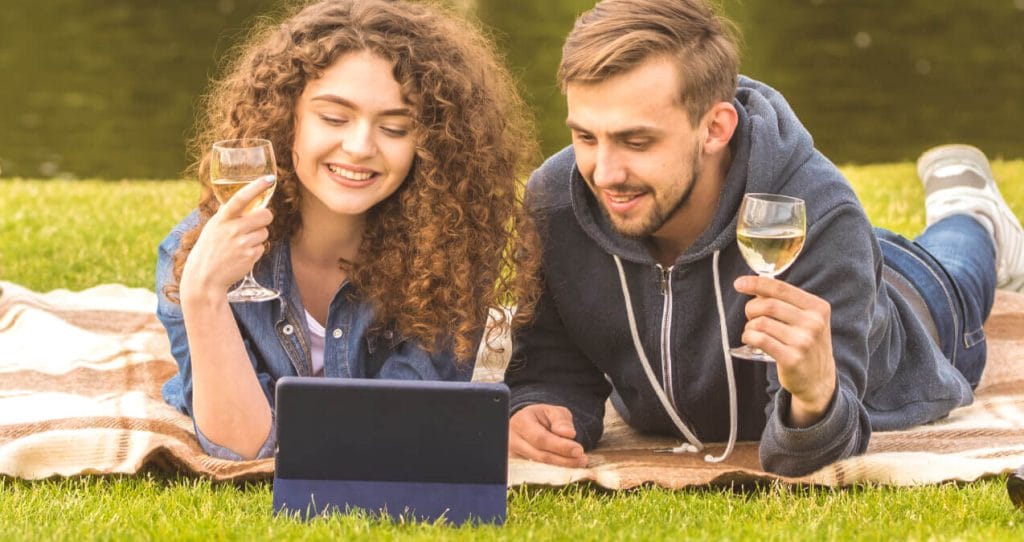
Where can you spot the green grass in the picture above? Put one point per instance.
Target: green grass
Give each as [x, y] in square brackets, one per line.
[78, 234]
[154, 508]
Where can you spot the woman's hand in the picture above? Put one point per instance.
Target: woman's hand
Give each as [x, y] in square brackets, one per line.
[228, 403]
[229, 245]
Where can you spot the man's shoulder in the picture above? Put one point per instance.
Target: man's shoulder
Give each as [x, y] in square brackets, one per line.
[549, 185]
[825, 188]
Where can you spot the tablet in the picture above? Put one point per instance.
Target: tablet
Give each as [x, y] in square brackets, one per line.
[397, 447]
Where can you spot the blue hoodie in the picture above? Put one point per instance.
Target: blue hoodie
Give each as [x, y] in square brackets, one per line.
[580, 349]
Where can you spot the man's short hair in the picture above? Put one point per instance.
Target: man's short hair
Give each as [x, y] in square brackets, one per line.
[618, 35]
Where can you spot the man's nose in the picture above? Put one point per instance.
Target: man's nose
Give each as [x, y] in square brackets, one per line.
[608, 168]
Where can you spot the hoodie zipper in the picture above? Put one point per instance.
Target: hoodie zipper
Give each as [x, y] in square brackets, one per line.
[666, 333]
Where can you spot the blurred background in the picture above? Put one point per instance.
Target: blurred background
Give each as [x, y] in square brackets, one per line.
[107, 88]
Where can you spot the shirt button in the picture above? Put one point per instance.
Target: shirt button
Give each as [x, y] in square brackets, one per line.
[337, 333]
[288, 329]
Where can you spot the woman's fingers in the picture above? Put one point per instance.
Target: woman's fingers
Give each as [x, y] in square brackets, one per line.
[238, 204]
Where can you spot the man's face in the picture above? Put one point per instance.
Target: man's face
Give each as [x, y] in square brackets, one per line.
[635, 145]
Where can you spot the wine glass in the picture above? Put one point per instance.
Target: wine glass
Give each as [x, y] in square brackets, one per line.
[770, 231]
[234, 163]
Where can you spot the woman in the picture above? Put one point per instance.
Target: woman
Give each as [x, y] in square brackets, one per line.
[400, 140]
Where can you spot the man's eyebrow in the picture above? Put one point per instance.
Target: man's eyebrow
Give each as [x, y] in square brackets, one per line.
[573, 126]
[621, 134]
[334, 98]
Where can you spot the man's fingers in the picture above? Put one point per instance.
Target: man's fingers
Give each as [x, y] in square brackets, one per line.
[544, 433]
[799, 336]
[775, 309]
[769, 344]
[777, 289]
[520, 447]
[816, 319]
[535, 429]
[559, 420]
[545, 440]
[239, 203]
[564, 429]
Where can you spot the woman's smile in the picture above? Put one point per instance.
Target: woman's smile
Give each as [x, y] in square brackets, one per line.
[352, 176]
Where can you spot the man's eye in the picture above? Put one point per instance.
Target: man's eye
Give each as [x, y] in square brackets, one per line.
[638, 145]
[585, 138]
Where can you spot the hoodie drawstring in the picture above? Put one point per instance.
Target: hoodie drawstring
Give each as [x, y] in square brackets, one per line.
[694, 444]
[733, 426]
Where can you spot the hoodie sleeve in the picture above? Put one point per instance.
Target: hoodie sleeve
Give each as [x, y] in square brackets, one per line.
[548, 368]
[841, 264]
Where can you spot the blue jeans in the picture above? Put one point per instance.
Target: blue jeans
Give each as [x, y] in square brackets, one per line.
[952, 266]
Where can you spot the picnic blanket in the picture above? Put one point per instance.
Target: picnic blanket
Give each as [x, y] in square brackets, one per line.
[80, 378]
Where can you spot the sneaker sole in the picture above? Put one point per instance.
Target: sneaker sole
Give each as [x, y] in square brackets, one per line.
[968, 154]
[964, 153]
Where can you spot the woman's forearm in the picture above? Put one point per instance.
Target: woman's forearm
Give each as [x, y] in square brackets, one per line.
[228, 402]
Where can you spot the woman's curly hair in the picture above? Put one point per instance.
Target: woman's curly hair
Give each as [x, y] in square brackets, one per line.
[453, 241]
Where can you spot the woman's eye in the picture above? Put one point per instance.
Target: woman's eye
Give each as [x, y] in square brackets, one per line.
[334, 121]
[395, 132]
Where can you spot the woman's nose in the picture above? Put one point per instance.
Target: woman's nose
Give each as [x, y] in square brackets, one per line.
[358, 141]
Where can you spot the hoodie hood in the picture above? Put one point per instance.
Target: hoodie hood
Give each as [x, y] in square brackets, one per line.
[769, 144]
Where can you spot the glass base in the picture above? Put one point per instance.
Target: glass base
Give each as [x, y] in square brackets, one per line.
[751, 353]
[252, 294]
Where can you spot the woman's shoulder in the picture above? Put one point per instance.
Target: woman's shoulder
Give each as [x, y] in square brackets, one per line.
[173, 240]
[169, 246]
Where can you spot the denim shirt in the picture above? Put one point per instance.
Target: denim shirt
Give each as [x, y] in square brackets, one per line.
[277, 338]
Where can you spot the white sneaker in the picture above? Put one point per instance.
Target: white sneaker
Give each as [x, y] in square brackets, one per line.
[958, 180]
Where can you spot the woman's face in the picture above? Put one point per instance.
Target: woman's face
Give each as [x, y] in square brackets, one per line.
[354, 143]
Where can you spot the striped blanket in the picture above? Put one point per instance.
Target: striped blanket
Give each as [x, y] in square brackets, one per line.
[80, 377]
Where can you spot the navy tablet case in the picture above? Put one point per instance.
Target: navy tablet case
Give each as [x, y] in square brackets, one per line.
[403, 448]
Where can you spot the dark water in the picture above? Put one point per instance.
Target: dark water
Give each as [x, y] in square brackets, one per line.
[106, 88]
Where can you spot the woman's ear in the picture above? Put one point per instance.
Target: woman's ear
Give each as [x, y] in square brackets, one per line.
[720, 122]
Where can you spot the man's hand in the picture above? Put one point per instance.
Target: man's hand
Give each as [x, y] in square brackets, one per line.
[794, 327]
[545, 433]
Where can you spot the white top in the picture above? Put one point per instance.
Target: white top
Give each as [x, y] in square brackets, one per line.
[316, 344]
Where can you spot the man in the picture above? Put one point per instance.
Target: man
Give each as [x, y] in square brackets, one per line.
[637, 219]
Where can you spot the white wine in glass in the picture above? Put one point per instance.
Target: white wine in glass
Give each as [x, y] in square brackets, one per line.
[770, 250]
[223, 189]
[235, 163]
[770, 232]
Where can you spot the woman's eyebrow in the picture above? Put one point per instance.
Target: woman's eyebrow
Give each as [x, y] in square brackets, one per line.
[334, 98]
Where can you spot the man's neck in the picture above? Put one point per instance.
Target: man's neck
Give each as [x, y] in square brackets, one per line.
[690, 220]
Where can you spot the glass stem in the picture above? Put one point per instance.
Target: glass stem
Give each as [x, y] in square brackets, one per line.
[249, 281]
[754, 349]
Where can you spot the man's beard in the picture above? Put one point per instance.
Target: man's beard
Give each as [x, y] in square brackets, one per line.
[658, 217]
